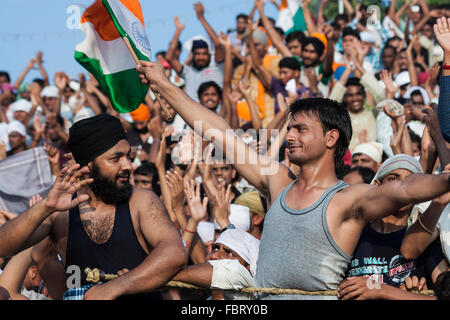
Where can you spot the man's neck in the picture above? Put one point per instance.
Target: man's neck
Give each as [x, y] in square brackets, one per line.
[317, 174]
[392, 223]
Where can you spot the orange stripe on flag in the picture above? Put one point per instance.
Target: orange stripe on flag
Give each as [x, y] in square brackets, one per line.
[135, 8]
[102, 22]
[283, 4]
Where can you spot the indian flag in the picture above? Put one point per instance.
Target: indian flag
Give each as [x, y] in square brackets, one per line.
[105, 54]
[290, 17]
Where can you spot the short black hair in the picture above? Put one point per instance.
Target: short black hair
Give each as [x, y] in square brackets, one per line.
[242, 16]
[442, 286]
[290, 63]
[349, 31]
[366, 174]
[342, 16]
[295, 35]
[208, 84]
[332, 115]
[40, 82]
[6, 75]
[147, 169]
[163, 53]
[355, 82]
[389, 47]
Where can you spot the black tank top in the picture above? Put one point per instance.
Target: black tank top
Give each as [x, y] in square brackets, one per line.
[122, 250]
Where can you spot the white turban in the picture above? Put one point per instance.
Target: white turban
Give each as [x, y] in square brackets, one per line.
[243, 243]
[17, 127]
[206, 231]
[50, 91]
[239, 216]
[373, 149]
[21, 105]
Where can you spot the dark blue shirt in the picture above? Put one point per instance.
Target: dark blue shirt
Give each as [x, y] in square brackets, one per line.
[444, 107]
[378, 255]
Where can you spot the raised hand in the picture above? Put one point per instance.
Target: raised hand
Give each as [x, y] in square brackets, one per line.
[199, 10]
[175, 182]
[178, 25]
[197, 207]
[71, 180]
[39, 58]
[391, 88]
[224, 40]
[34, 199]
[61, 80]
[442, 33]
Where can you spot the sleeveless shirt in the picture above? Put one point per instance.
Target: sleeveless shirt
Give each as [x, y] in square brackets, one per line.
[121, 250]
[297, 251]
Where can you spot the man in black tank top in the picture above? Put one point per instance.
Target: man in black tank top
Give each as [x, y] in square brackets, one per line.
[97, 220]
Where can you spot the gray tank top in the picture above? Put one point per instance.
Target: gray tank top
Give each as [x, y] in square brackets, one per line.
[297, 251]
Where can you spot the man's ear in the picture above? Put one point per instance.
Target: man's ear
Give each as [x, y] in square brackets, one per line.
[332, 137]
[377, 182]
[257, 219]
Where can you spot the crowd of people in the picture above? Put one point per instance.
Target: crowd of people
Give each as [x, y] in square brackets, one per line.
[315, 158]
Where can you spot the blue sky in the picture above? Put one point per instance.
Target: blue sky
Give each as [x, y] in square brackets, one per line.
[27, 26]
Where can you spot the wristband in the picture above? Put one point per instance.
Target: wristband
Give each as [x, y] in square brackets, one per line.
[230, 226]
[189, 230]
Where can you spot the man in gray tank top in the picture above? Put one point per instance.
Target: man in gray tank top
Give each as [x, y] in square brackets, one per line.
[315, 220]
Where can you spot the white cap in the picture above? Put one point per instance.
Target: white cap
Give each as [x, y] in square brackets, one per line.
[206, 231]
[74, 85]
[239, 217]
[373, 149]
[402, 78]
[50, 91]
[16, 126]
[423, 92]
[21, 105]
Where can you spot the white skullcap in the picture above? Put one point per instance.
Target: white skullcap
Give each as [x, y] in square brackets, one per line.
[74, 85]
[21, 105]
[402, 78]
[243, 243]
[17, 127]
[239, 216]
[50, 91]
[373, 149]
[423, 92]
[206, 231]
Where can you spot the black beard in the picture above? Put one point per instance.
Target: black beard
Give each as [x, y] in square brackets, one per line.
[141, 131]
[107, 190]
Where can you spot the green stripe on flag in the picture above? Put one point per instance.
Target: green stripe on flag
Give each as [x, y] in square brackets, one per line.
[124, 89]
[299, 22]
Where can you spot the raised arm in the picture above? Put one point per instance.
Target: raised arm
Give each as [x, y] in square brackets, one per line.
[377, 202]
[254, 168]
[308, 17]
[41, 68]
[442, 32]
[228, 75]
[22, 76]
[170, 55]
[219, 50]
[264, 75]
[276, 39]
[33, 226]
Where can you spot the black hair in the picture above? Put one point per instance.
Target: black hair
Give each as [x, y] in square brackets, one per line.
[146, 169]
[342, 16]
[40, 82]
[394, 38]
[332, 115]
[415, 138]
[355, 82]
[6, 75]
[163, 53]
[389, 47]
[366, 174]
[290, 63]
[349, 31]
[208, 84]
[442, 286]
[424, 53]
[242, 16]
[280, 31]
[317, 44]
[295, 35]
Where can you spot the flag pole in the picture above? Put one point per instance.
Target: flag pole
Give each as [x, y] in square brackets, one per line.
[160, 99]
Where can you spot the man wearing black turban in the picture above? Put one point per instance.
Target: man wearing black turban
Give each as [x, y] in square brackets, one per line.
[95, 219]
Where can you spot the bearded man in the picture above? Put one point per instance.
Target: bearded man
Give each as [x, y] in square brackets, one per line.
[95, 218]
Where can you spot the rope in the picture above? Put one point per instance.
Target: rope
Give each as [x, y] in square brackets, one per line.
[97, 275]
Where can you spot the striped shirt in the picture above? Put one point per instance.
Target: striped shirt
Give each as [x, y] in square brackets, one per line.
[193, 77]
